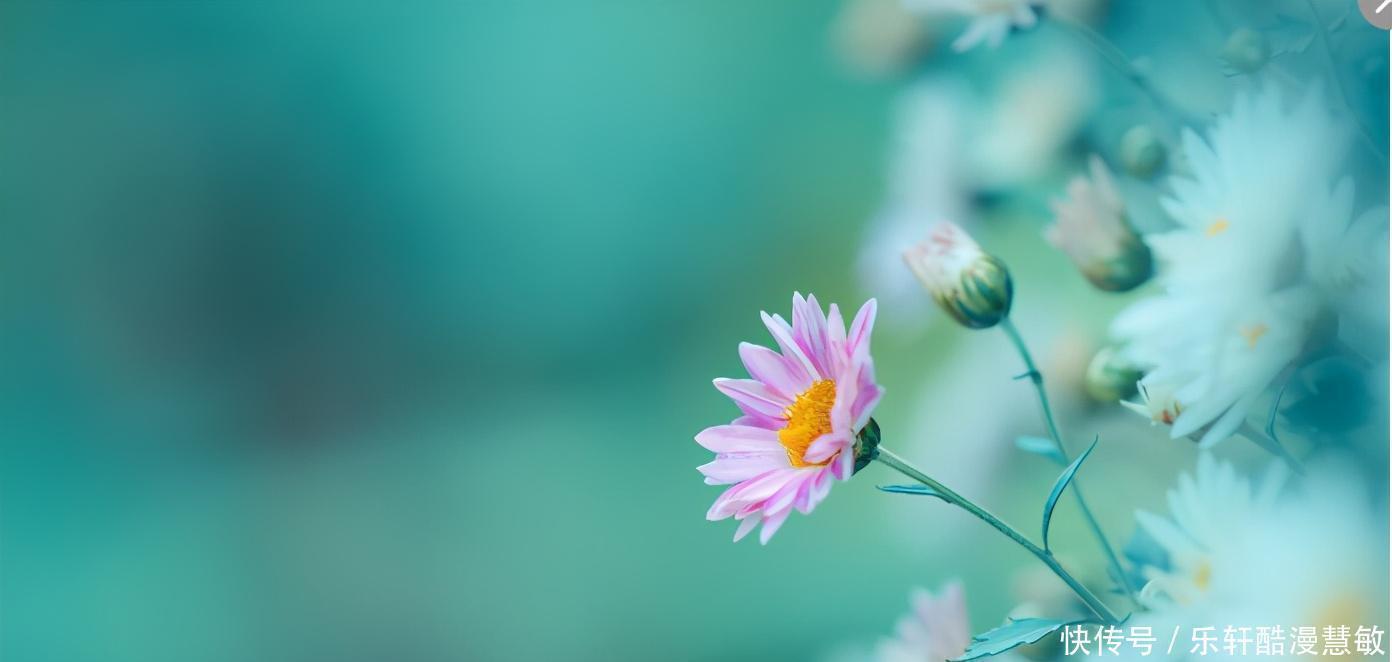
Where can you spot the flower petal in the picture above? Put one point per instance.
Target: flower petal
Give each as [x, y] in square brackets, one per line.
[738, 439]
[783, 334]
[774, 370]
[755, 396]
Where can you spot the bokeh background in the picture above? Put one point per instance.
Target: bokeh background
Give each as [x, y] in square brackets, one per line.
[357, 331]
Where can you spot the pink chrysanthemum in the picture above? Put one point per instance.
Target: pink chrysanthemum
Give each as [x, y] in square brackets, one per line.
[802, 412]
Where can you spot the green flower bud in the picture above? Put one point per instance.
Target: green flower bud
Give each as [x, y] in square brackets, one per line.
[1246, 50]
[1110, 377]
[1142, 153]
[973, 287]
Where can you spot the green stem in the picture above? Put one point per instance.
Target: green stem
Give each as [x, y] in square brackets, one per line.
[1037, 378]
[888, 458]
[1339, 84]
[1118, 60]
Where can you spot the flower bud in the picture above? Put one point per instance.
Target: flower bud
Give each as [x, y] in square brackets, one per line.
[973, 287]
[1110, 377]
[1245, 50]
[1090, 226]
[1142, 154]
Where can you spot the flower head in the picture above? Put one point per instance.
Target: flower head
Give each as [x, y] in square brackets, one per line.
[936, 629]
[1249, 268]
[803, 409]
[1090, 226]
[991, 20]
[1238, 552]
[973, 287]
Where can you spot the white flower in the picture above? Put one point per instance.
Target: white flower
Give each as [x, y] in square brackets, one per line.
[1342, 250]
[1239, 555]
[991, 20]
[1260, 244]
[936, 629]
[1090, 227]
[878, 37]
[1211, 367]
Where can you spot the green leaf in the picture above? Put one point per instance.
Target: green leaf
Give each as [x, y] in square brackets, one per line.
[1013, 633]
[919, 490]
[1059, 485]
[1043, 447]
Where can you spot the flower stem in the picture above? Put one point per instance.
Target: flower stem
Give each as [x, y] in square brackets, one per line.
[888, 458]
[1320, 32]
[1118, 60]
[1037, 378]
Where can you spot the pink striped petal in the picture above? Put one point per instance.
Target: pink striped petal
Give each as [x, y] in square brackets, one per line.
[771, 525]
[751, 492]
[859, 338]
[734, 467]
[774, 370]
[825, 446]
[755, 396]
[746, 525]
[738, 438]
[809, 330]
[783, 334]
[836, 340]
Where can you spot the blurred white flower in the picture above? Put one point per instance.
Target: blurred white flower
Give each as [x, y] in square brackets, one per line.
[1090, 226]
[1209, 367]
[878, 37]
[1239, 555]
[937, 628]
[1261, 242]
[991, 20]
[925, 185]
[1037, 110]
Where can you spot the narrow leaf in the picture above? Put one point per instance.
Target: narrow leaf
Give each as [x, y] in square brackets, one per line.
[1013, 633]
[1042, 447]
[1059, 485]
[1275, 408]
[920, 490]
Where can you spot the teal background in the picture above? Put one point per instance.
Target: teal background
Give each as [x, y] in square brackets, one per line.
[373, 332]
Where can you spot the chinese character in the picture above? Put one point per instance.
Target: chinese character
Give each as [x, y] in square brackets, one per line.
[1142, 639]
[1111, 638]
[1368, 641]
[1303, 640]
[1271, 640]
[1075, 640]
[1204, 641]
[1336, 639]
[1235, 640]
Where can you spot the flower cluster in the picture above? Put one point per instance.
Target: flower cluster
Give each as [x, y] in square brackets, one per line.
[1247, 264]
[1265, 247]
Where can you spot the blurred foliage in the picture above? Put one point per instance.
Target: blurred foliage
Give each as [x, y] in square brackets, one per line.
[359, 332]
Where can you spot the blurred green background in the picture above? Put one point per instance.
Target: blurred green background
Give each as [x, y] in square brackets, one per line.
[357, 331]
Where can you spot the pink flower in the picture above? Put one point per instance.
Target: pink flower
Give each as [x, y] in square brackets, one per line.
[936, 629]
[802, 412]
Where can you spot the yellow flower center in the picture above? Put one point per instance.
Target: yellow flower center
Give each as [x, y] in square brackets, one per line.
[1253, 333]
[808, 417]
[1217, 227]
[1203, 577]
